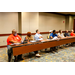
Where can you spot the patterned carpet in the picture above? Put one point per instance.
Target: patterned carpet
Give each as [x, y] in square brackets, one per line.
[65, 54]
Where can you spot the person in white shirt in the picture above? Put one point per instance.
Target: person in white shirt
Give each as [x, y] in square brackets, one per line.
[60, 33]
[38, 36]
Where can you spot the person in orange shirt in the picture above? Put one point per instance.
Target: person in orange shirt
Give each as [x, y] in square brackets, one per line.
[72, 33]
[13, 38]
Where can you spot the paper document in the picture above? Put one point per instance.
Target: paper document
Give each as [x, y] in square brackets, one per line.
[17, 43]
[33, 41]
[40, 39]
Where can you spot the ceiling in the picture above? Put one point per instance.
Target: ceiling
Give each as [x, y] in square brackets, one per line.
[66, 13]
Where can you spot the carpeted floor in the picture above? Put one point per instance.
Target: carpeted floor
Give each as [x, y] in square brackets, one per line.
[65, 54]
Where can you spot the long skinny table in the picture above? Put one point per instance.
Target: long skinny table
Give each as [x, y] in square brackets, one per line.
[35, 46]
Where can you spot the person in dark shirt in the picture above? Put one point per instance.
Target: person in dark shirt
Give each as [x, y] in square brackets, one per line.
[66, 34]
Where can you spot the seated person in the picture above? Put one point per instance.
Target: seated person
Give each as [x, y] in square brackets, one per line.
[66, 34]
[52, 35]
[72, 33]
[60, 33]
[28, 37]
[49, 34]
[38, 36]
[13, 38]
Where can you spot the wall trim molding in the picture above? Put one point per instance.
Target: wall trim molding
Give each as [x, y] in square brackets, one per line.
[57, 13]
[3, 46]
[4, 34]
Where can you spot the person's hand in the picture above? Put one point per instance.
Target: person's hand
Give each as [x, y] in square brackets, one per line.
[26, 38]
[40, 37]
[61, 37]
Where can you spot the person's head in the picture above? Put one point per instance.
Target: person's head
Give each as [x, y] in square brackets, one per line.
[37, 31]
[51, 31]
[14, 32]
[66, 31]
[54, 31]
[28, 34]
[60, 31]
[72, 31]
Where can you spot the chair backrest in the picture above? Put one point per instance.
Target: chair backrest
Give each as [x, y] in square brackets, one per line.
[25, 41]
[48, 36]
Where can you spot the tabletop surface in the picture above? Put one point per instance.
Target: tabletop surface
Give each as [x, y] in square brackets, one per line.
[43, 41]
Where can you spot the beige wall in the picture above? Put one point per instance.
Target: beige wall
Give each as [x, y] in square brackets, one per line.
[69, 23]
[30, 21]
[66, 22]
[3, 40]
[51, 21]
[8, 21]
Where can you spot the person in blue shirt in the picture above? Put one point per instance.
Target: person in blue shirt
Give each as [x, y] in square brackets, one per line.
[52, 35]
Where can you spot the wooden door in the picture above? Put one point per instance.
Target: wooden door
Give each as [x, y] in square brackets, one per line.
[74, 25]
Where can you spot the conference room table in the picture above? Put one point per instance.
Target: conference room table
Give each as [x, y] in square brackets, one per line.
[39, 45]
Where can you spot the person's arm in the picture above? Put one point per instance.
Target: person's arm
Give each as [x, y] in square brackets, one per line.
[59, 36]
[51, 37]
[26, 39]
[20, 39]
[31, 38]
[40, 36]
[71, 34]
[67, 35]
[12, 41]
